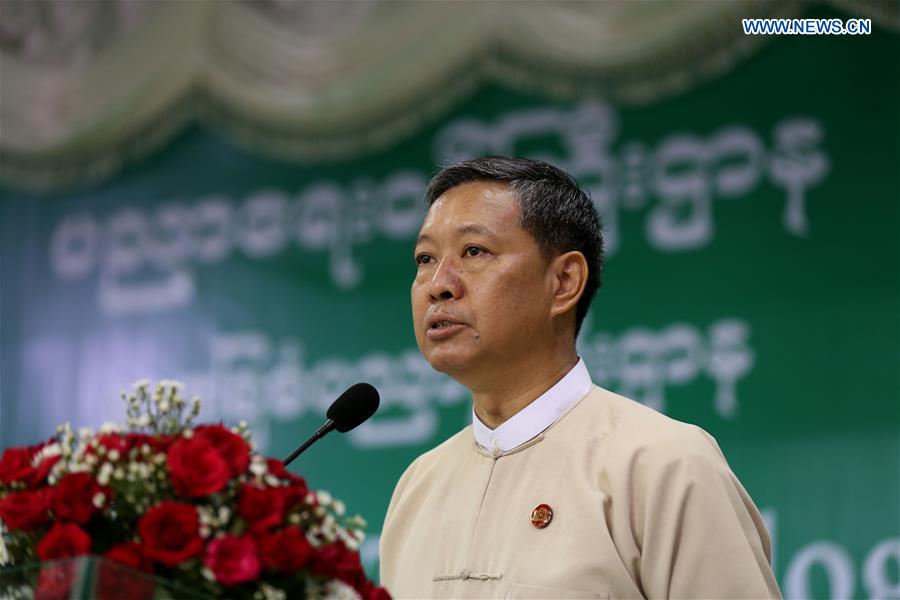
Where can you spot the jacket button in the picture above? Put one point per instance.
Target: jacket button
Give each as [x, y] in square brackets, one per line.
[541, 515]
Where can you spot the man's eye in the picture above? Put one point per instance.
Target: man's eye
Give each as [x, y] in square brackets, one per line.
[473, 251]
[423, 259]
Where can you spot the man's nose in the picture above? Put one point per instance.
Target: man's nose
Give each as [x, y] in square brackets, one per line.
[446, 283]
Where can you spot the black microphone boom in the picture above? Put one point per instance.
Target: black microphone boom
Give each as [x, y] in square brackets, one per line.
[354, 406]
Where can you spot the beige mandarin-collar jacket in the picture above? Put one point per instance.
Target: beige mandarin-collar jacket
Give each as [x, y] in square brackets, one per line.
[642, 507]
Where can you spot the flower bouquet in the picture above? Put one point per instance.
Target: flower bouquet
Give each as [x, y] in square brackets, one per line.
[191, 505]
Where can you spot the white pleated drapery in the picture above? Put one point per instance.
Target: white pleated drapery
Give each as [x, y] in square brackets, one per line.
[86, 87]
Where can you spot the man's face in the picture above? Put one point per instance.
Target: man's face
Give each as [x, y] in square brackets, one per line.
[481, 297]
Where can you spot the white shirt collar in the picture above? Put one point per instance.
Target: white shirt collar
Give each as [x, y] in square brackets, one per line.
[543, 412]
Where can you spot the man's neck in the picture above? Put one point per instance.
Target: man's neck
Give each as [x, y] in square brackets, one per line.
[506, 396]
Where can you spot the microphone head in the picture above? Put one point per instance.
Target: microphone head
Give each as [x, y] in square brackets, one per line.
[354, 406]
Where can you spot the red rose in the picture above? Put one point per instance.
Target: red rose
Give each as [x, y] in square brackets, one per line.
[232, 447]
[170, 531]
[130, 554]
[73, 497]
[157, 443]
[337, 561]
[261, 508]
[125, 442]
[112, 441]
[16, 465]
[63, 540]
[117, 581]
[276, 468]
[370, 591]
[294, 494]
[26, 510]
[55, 581]
[232, 559]
[286, 551]
[196, 468]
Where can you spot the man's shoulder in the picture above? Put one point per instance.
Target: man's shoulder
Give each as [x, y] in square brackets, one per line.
[626, 426]
[437, 459]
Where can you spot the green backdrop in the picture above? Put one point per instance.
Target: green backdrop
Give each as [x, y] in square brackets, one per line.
[752, 289]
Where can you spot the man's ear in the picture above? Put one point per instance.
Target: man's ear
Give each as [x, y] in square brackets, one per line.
[570, 273]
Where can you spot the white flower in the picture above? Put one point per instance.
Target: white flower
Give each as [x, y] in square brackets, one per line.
[272, 593]
[76, 467]
[109, 427]
[140, 384]
[338, 590]
[98, 499]
[207, 572]
[258, 468]
[56, 473]
[205, 514]
[4, 552]
[324, 498]
[46, 452]
[313, 534]
[106, 470]
[113, 454]
[358, 521]
[66, 446]
[164, 405]
[138, 471]
[348, 539]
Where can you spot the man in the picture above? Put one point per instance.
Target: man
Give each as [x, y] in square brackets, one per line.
[559, 489]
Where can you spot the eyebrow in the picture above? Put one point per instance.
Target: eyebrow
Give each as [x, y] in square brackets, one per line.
[467, 228]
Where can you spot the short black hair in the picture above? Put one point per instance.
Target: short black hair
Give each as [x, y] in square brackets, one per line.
[552, 208]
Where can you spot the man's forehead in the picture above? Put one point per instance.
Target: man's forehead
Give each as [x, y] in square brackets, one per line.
[486, 190]
[473, 207]
[459, 229]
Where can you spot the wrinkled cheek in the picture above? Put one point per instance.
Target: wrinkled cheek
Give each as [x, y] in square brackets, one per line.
[418, 314]
[419, 334]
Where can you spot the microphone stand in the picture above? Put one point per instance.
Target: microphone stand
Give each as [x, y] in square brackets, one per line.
[328, 427]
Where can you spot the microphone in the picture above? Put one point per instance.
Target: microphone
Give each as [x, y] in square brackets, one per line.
[354, 406]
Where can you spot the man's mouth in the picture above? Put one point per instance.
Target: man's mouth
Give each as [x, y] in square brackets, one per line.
[445, 328]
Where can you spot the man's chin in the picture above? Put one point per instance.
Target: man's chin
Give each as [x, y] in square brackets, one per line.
[453, 365]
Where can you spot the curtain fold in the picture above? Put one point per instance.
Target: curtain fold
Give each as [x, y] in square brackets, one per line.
[89, 87]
